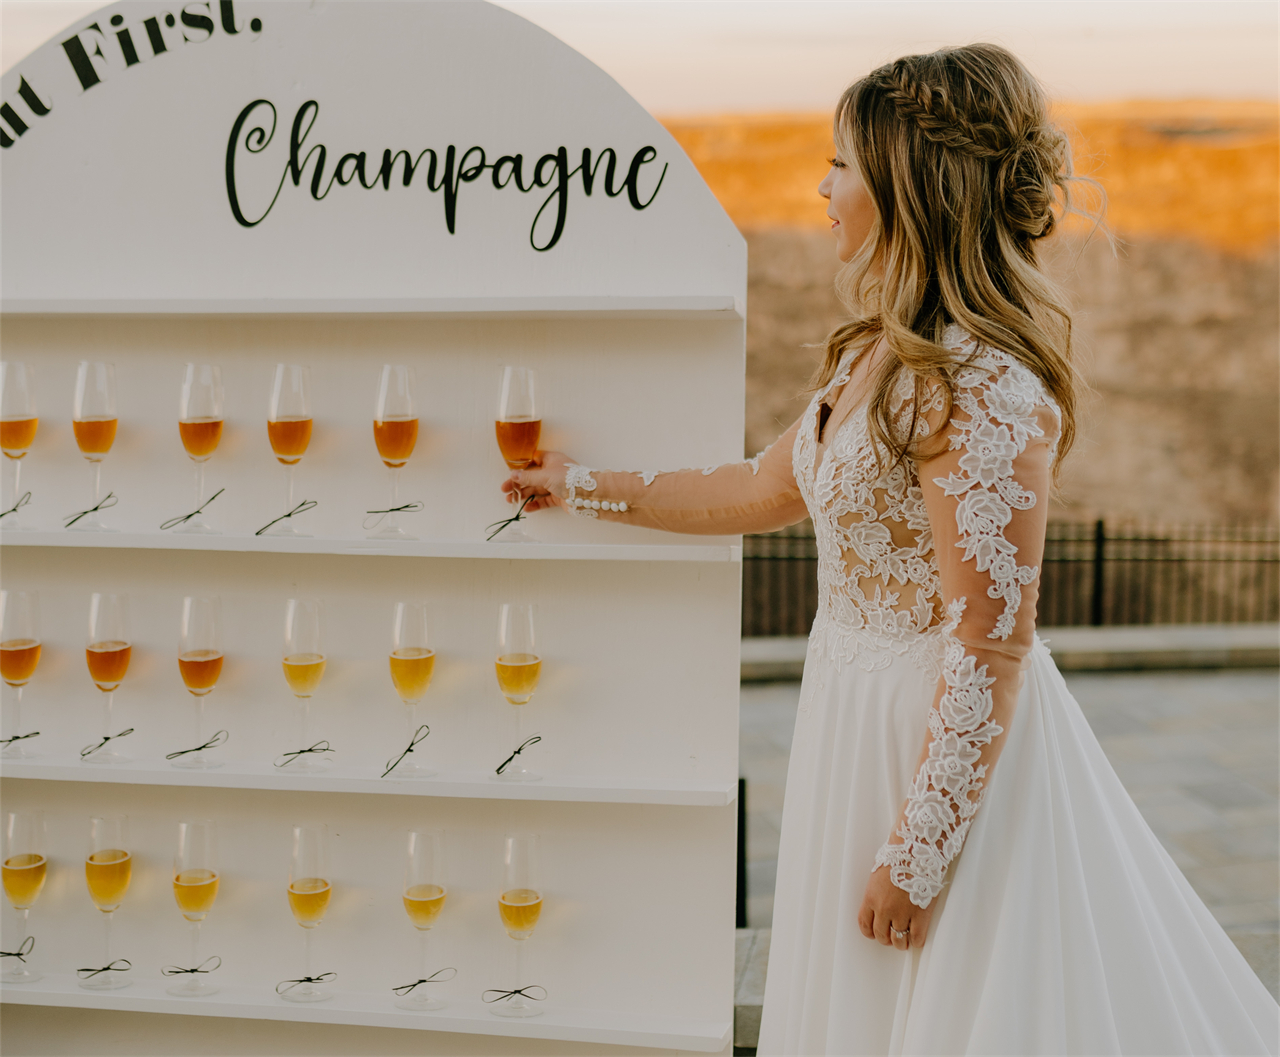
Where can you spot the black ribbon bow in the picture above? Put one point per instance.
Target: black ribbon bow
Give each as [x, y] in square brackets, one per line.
[174, 522]
[106, 503]
[19, 737]
[174, 970]
[301, 508]
[120, 965]
[23, 500]
[323, 978]
[288, 757]
[375, 516]
[524, 745]
[518, 516]
[523, 992]
[419, 736]
[219, 738]
[434, 978]
[89, 750]
[28, 945]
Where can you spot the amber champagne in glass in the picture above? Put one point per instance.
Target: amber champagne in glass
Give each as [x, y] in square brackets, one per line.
[94, 422]
[395, 432]
[108, 868]
[24, 872]
[518, 667]
[18, 422]
[519, 907]
[289, 430]
[304, 664]
[518, 428]
[107, 655]
[200, 665]
[424, 896]
[195, 888]
[200, 426]
[412, 663]
[309, 892]
[19, 655]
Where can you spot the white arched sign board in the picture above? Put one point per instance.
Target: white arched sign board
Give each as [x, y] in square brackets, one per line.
[339, 151]
[215, 182]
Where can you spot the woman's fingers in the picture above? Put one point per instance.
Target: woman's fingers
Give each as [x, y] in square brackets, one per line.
[865, 919]
[900, 935]
[880, 927]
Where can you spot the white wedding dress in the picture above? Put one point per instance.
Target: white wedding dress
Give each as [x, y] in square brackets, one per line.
[1062, 926]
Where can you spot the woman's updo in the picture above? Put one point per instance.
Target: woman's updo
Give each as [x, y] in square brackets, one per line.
[967, 174]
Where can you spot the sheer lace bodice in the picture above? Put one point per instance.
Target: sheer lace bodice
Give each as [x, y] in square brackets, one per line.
[936, 559]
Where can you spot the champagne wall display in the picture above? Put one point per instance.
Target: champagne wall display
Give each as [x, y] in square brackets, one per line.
[348, 185]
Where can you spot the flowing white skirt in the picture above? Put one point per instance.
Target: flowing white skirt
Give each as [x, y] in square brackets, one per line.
[1065, 929]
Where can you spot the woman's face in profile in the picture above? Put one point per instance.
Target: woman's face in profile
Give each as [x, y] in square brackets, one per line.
[849, 206]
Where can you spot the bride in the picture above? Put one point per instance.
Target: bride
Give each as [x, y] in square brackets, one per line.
[929, 901]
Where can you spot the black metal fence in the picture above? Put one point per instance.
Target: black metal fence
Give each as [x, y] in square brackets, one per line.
[1093, 573]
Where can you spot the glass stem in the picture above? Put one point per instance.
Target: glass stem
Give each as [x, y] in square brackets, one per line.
[106, 716]
[195, 944]
[199, 723]
[199, 484]
[17, 719]
[288, 476]
[306, 952]
[413, 718]
[304, 727]
[97, 481]
[17, 477]
[520, 1002]
[422, 954]
[25, 930]
[393, 520]
[106, 937]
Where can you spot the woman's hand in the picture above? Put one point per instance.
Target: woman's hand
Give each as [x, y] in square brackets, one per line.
[888, 916]
[543, 479]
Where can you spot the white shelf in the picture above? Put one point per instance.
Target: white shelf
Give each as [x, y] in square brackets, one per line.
[724, 307]
[634, 552]
[237, 774]
[376, 1010]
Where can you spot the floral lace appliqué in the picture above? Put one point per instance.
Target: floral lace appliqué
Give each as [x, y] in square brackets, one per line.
[947, 791]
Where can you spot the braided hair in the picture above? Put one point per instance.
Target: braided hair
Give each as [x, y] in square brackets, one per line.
[967, 175]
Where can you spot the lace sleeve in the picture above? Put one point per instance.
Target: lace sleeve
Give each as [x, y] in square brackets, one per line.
[757, 495]
[987, 499]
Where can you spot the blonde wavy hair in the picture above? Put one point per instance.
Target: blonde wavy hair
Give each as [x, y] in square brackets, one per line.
[967, 175]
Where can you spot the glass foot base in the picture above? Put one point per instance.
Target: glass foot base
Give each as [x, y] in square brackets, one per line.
[516, 776]
[104, 982]
[287, 532]
[311, 994]
[515, 1011]
[20, 976]
[195, 762]
[305, 766]
[391, 534]
[199, 990]
[105, 759]
[514, 535]
[17, 752]
[197, 528]
[416, 770]
[421, 1005]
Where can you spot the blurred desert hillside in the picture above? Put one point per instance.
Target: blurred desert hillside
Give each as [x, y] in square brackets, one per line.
[1177, 330]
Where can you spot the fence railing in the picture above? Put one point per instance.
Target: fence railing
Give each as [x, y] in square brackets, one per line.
[1092, 573]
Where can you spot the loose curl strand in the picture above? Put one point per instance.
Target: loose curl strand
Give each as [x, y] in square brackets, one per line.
[967, 175]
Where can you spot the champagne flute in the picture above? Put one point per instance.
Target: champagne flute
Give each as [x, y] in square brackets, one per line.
[289, 429]
[108, 868]
[108, 654]
[519, 906]
[424, 895]
[19, 655]
[18, 421]
[395, 432]
[200, 664]
[309, 891]
[412, 663]
[200, 426]
[518, 427]
[94, 421]
[304, 662]
[195, 887]
[518, 667]
[24, 871]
